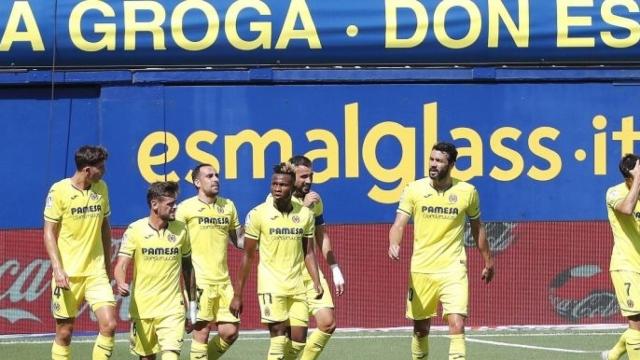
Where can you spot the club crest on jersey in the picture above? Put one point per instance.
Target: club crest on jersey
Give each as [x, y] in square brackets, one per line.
[453, 198]
[220, 209]
[295, 219]
[172, 238]
[94, 196]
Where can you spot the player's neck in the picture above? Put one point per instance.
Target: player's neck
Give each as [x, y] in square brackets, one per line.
[156, 222]
[80, 181]
[441, 185]
[207, 199]
[283, 205]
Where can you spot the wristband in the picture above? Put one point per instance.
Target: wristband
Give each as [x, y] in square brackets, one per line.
[338, 279]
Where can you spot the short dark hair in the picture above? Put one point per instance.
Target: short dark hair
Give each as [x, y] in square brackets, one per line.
[627, 163]
[447, 148]
[285, 168]
[159, 189]
[196, 171]
[90, 156]
[298, 160]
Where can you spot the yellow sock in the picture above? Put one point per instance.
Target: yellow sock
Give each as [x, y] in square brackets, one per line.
[103, 347]
[198, 351]
[419, 347]
[632, 340]
[217, 347]
[59, 352]
[293, 350]
[315, 344]
[457, 348]
[170, 355]
[619, 348]
[276, 348]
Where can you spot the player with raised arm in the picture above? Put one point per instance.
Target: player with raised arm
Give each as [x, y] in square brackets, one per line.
[285, 231]
[160, 250]
[212, 222]
[439, 205]
[77, 238]
[623, 211]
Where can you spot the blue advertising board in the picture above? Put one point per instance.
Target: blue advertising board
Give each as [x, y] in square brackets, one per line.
[535, 151]
[134, 33]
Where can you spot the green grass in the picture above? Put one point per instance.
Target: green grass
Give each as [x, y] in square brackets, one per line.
[371, 345]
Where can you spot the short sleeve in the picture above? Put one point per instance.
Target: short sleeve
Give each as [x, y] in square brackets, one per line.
[614, 197]
[473, 210]
[107, 203]
[310, 227]
[127, 245]
[186, 244]
[406, 203]
[53, 207]
[252, 225]
[181, 212]
[318, 212]
[234, 221]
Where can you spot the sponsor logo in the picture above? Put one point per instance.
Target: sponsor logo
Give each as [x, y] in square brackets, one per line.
[81, 210]
[573, 299]
[203, 220]
[286, 231]
[160, 251]
[440, 210]
[49, 203]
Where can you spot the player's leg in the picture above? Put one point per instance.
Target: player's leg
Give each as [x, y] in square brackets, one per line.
[202, 327]
[625, 284]
[273, 313]
[228, 325]
[322, 310]
[64, 306]
[99, 295]
[170, 332]
[421, 307]
[454, 296]
[143, 339]
[299, 322]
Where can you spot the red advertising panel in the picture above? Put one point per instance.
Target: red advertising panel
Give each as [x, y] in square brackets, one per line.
[547, 273]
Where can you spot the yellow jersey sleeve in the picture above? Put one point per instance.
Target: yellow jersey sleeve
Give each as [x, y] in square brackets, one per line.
[473, 210]
[127, 244]
[186, 246]
[406, 203]
[54, 207]
[253, 224]
[615, 197]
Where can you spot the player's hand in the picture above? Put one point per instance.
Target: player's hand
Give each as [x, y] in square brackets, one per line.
[319, 291]
[61, 278]
[122, 289]
[236, 306]
[394, 252]
[311, 198]
[338, 279]
[487, 273]
[635, 172]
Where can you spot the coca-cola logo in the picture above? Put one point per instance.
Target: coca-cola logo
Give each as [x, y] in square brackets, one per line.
[27, 282]
[574, 295]
[499, 235]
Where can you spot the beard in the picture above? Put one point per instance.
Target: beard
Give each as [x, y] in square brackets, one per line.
[438, 175]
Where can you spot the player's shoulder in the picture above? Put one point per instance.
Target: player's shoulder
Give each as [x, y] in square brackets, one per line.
[188, 203]
[177, 226]
[462, 186]
[60, 186]
[137, 226]
[302, 210]
[225, 202]
[617, 190]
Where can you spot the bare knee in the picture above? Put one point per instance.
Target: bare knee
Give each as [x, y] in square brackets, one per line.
[64, 331]
[456, 324]
[326, 321]
[421, 327]
[228, 332]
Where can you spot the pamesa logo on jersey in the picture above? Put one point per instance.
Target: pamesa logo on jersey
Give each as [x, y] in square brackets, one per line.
[205, 220]
[286, 231]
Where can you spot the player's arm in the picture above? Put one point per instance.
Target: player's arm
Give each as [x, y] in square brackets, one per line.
[187, 276]
[120, 274]
[106, 245]
[324, 243]
[51, 245]
[236, 237]
[480, 237]
[395, 234]
[312, 265]
[245, 268]
[627, 205]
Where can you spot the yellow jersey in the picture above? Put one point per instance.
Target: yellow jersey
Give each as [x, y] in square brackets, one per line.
[80, 214]
[280, 237]
[439, 219]
[209, 226]
[626, 231]
[157, 265]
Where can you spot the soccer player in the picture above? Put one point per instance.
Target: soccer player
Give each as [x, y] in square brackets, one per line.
[624, 217]
[160, 250]
[77, 237]
[285, 230]
[439, 205]
[211, 221]
[322, 309]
